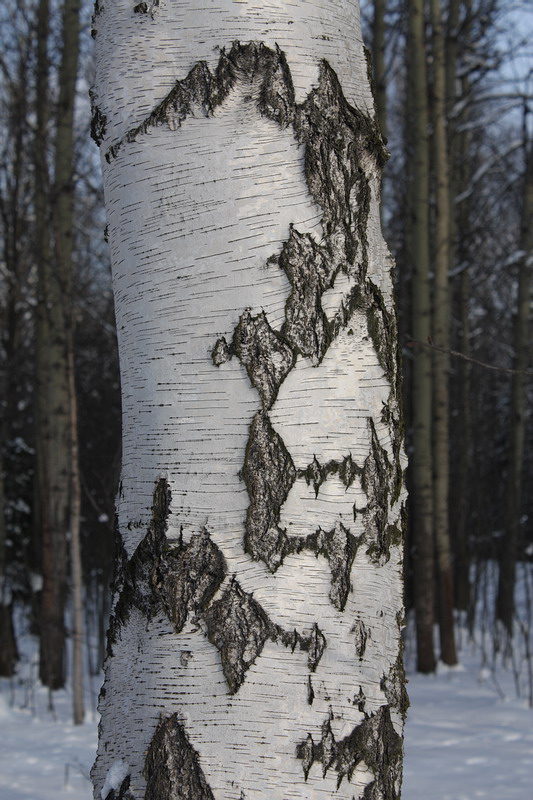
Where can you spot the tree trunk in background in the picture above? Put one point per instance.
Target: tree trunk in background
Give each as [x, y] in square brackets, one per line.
[254, 647]
[421, 503]
[462, 213]
[8, 646]
[63, 230]
[52, 399]
[378, 64]
[378, 61]
[78, 703]
[506, 585]
[10, 209]
[441, 333]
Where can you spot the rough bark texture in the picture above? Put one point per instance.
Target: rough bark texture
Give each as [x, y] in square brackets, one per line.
[264, 537]
[172, 767]
[374, 742]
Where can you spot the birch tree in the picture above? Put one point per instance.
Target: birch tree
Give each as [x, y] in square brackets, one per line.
[254, 643]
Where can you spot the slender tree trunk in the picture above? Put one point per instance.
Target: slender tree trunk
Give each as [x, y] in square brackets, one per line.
[505, 601]
[52, 399]
[13, 219]
[63, 230]
[378, 61]
[421, 401]
[441, 333]
[8, 646]
[464, 455]
[254, 642]
[78, 708]
[462, 170]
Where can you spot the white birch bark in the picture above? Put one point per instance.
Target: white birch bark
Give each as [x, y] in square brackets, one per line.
[254, 643]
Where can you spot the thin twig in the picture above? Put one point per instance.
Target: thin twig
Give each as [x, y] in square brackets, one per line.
[414, 343]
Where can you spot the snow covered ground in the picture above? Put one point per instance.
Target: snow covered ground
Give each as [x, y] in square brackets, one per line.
[467, 737]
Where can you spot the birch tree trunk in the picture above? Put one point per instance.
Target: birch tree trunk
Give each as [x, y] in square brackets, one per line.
[254, 645]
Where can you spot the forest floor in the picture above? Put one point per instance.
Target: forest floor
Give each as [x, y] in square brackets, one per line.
[468, 736]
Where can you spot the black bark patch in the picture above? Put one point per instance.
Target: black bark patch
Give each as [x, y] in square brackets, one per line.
[376, 480]
[394, 686]
[306, 752]
[172, 767]
[276, 97]
[135, 578]
[310, 691]
[176, 579]
[146, 8]
[337, 137]
[349, 471]
[310, 270]
[264, 353]
[361, 636]
[189, 576]
[238, 627]
[382, 329]
[203, 90]
[340, 547]
[98, 120]
[98, 7]
[313, 644]
[316, 473]
[122, 793]
[317, 645]
[374, 742]
[359, 700]
[221, 352]
[269, 474]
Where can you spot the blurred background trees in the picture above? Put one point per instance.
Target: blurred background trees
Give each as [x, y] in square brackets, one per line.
[60, 399]
[457, 215]
[453, 83]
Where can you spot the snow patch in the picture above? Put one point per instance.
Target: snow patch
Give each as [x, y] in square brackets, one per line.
[116, 774]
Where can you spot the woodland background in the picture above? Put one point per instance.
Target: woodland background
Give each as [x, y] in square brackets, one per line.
[453, 84]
